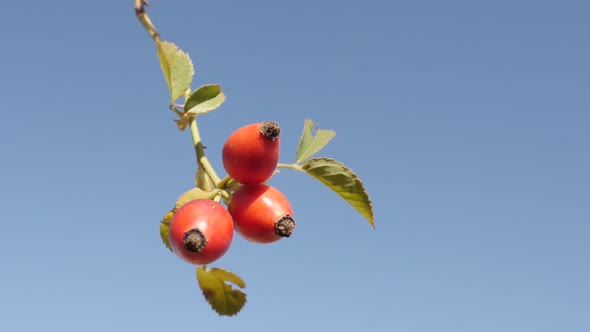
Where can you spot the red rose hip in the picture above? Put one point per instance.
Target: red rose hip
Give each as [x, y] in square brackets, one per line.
[261, 213]
[201, 231]
[251, 153]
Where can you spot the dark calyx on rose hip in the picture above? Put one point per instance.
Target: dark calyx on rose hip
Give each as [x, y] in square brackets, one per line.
[194, 240]
[285, 226]
[270, 130]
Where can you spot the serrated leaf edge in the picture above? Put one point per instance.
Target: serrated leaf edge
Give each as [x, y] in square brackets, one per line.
[220, 94]
[168, 78]
[355, 177]
[302, 156]
[166, 243]
[224, 284]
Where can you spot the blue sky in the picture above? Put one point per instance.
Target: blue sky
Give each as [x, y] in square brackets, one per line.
[469, 123]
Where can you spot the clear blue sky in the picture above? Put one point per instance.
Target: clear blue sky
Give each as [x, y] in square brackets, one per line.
[468, 121]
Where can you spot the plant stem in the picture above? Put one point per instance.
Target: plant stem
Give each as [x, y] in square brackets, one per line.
[290, 166]
[201, 158]
[224, 182]
[224, 194]
[144, 19]
[217, 198]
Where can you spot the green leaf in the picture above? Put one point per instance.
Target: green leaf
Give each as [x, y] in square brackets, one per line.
[222, 297]
[204, 100]
[310, 145]
[192, 194]
[343, 181]
[165, 228]
[177, 68]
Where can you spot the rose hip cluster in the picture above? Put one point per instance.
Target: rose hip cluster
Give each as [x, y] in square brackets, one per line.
[201, 231]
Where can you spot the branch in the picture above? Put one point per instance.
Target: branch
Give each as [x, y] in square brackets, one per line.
[144, 19]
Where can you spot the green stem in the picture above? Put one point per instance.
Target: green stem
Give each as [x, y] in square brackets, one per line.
[224, 194]
[201, 158]
[216, 192]
[290, 166]
[224, 182]
[217, 198]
